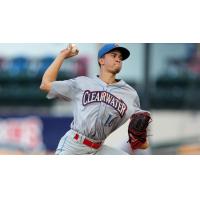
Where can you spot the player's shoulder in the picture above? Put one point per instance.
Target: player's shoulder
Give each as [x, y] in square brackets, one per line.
[130, 88]
[84, 82]
[83, 78]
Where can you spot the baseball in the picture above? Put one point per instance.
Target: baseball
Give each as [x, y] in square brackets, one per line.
[74, 48]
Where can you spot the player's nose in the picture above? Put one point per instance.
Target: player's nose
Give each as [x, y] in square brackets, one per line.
[118, 59]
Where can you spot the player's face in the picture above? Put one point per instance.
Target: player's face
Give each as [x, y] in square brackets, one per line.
[112, 62]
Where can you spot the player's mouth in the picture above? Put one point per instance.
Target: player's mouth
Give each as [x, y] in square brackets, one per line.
[117, 63]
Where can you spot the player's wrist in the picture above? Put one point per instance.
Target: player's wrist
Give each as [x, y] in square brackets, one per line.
[61, 57]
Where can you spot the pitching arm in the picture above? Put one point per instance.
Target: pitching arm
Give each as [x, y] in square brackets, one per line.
[51, 73]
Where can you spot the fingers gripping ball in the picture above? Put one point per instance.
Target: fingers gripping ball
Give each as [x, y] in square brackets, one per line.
[73, 48]
[137, 129]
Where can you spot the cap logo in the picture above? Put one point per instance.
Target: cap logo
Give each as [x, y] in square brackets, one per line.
[116, 45]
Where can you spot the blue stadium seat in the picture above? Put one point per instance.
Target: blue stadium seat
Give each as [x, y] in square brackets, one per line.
[44, 64]
[18, 66]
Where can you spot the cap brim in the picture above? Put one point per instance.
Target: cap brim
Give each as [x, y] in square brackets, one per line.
[125, 52]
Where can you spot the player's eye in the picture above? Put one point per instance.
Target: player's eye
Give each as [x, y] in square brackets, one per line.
[114, 55]
[120, 58]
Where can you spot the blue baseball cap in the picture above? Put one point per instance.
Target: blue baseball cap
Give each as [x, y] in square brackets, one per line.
[112, 46]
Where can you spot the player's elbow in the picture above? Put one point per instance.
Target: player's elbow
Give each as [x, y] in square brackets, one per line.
[45, 86]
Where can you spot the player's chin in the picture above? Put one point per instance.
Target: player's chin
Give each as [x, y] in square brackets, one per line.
[117, 70]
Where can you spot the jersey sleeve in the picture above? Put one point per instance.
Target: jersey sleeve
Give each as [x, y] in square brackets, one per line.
[63, 89]
[137, 105]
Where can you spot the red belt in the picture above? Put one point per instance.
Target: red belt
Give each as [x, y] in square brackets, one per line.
[89, 143]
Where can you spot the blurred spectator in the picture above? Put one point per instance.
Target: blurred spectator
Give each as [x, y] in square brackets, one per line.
[81, 66]
[2, 64]
[194, 64]
[191, 50]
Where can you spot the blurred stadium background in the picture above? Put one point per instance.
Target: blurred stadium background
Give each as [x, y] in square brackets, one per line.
[166, 76]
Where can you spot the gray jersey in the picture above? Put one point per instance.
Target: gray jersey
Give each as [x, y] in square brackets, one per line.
[99, 108]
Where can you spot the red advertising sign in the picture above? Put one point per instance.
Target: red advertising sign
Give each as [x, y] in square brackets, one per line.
[21, 133]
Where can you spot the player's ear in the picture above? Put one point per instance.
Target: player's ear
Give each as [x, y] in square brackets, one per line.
[101, 61]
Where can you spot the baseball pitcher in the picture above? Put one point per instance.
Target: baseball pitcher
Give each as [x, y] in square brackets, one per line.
[101, 104]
